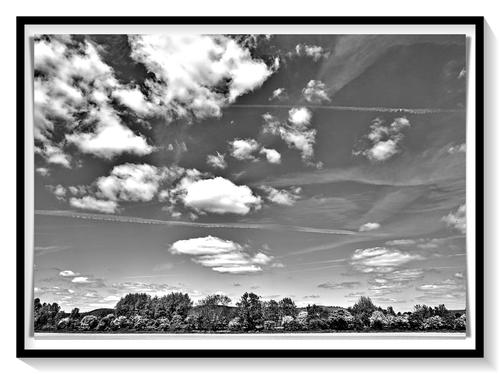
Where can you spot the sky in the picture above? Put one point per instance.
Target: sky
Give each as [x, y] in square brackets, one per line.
[317, 167]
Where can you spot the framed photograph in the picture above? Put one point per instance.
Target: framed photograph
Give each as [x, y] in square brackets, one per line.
[250, 187]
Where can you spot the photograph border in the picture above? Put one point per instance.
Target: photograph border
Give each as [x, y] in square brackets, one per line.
[21, 308]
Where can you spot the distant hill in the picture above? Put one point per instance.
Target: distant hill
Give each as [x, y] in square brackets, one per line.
[99, 313]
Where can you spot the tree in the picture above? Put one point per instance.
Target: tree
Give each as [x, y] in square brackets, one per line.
[133, 304]
[271, 311]
[433, 323]
[340, 319]
[378, 320]
[212, 313]
[250, 311]
[89, 322]
[363, 309]
[287, 308]
[174, 303]
[75, 314]
[419, 314]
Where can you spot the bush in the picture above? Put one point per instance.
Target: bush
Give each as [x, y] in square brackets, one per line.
[378, 320]
[460, 323]
[433, 323]
[269, 325]
[105, 322]
[177, 323]
[162, 324]
[235, 324]
[340, 319]
[317, 324]
[139, 323]
[292, 325]
[63, 324]
[301, 319]
[401, 322]
[118, 323]
[88, 323]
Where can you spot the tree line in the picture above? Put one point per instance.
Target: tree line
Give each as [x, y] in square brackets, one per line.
[176, 312]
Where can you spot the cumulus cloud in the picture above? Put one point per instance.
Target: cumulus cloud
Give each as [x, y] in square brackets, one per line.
[383, 141]
[369, 226]
[223, 256]
[314, 51]
[91, 203]
[68, 273]
[315, 92]
[457, 219]
[300, 117]
[380, 259]
[81, 280]
[53, 154]
[295, 133]
[242, 149]
[72, 91]
[279, 94]
[217, 161]
[126, 182]
[110, 137]
[217, 195]
[282, 197]
[132, 182]
[272, 155]
[44, 172]
[59, 191]
[196, 75]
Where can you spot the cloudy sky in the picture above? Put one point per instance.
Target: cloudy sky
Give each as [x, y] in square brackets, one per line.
[317, 167]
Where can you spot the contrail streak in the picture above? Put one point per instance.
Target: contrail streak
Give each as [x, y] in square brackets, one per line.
[148, 221]
[356, 108]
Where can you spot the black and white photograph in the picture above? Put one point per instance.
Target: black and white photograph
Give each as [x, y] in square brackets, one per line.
[225, 187]
[249, 183]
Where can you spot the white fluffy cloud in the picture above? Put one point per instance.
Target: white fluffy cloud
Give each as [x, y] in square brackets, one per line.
[457, 219]
[75, 80]
[68, 273]
[126, 182]
[380, 259]
[369, 226]
[300, 117]
[197, 74]
[296, 134]
[110, 138]
[223, 256]
[383, 140]
[91, 203]
[282, 197]
[132, 182]
[279, 94]
[314, 51]
[53, 154]
[218, 195]
[242, 149]
[217, 161]
[315, 92]
[82, 280]
[272, 155]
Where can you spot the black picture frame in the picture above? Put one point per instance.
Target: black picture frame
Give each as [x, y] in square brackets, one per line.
[21, 308]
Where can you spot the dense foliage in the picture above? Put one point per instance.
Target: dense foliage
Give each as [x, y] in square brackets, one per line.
[175, 312]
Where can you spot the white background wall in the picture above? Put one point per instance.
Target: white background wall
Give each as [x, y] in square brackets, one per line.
[10, 9]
